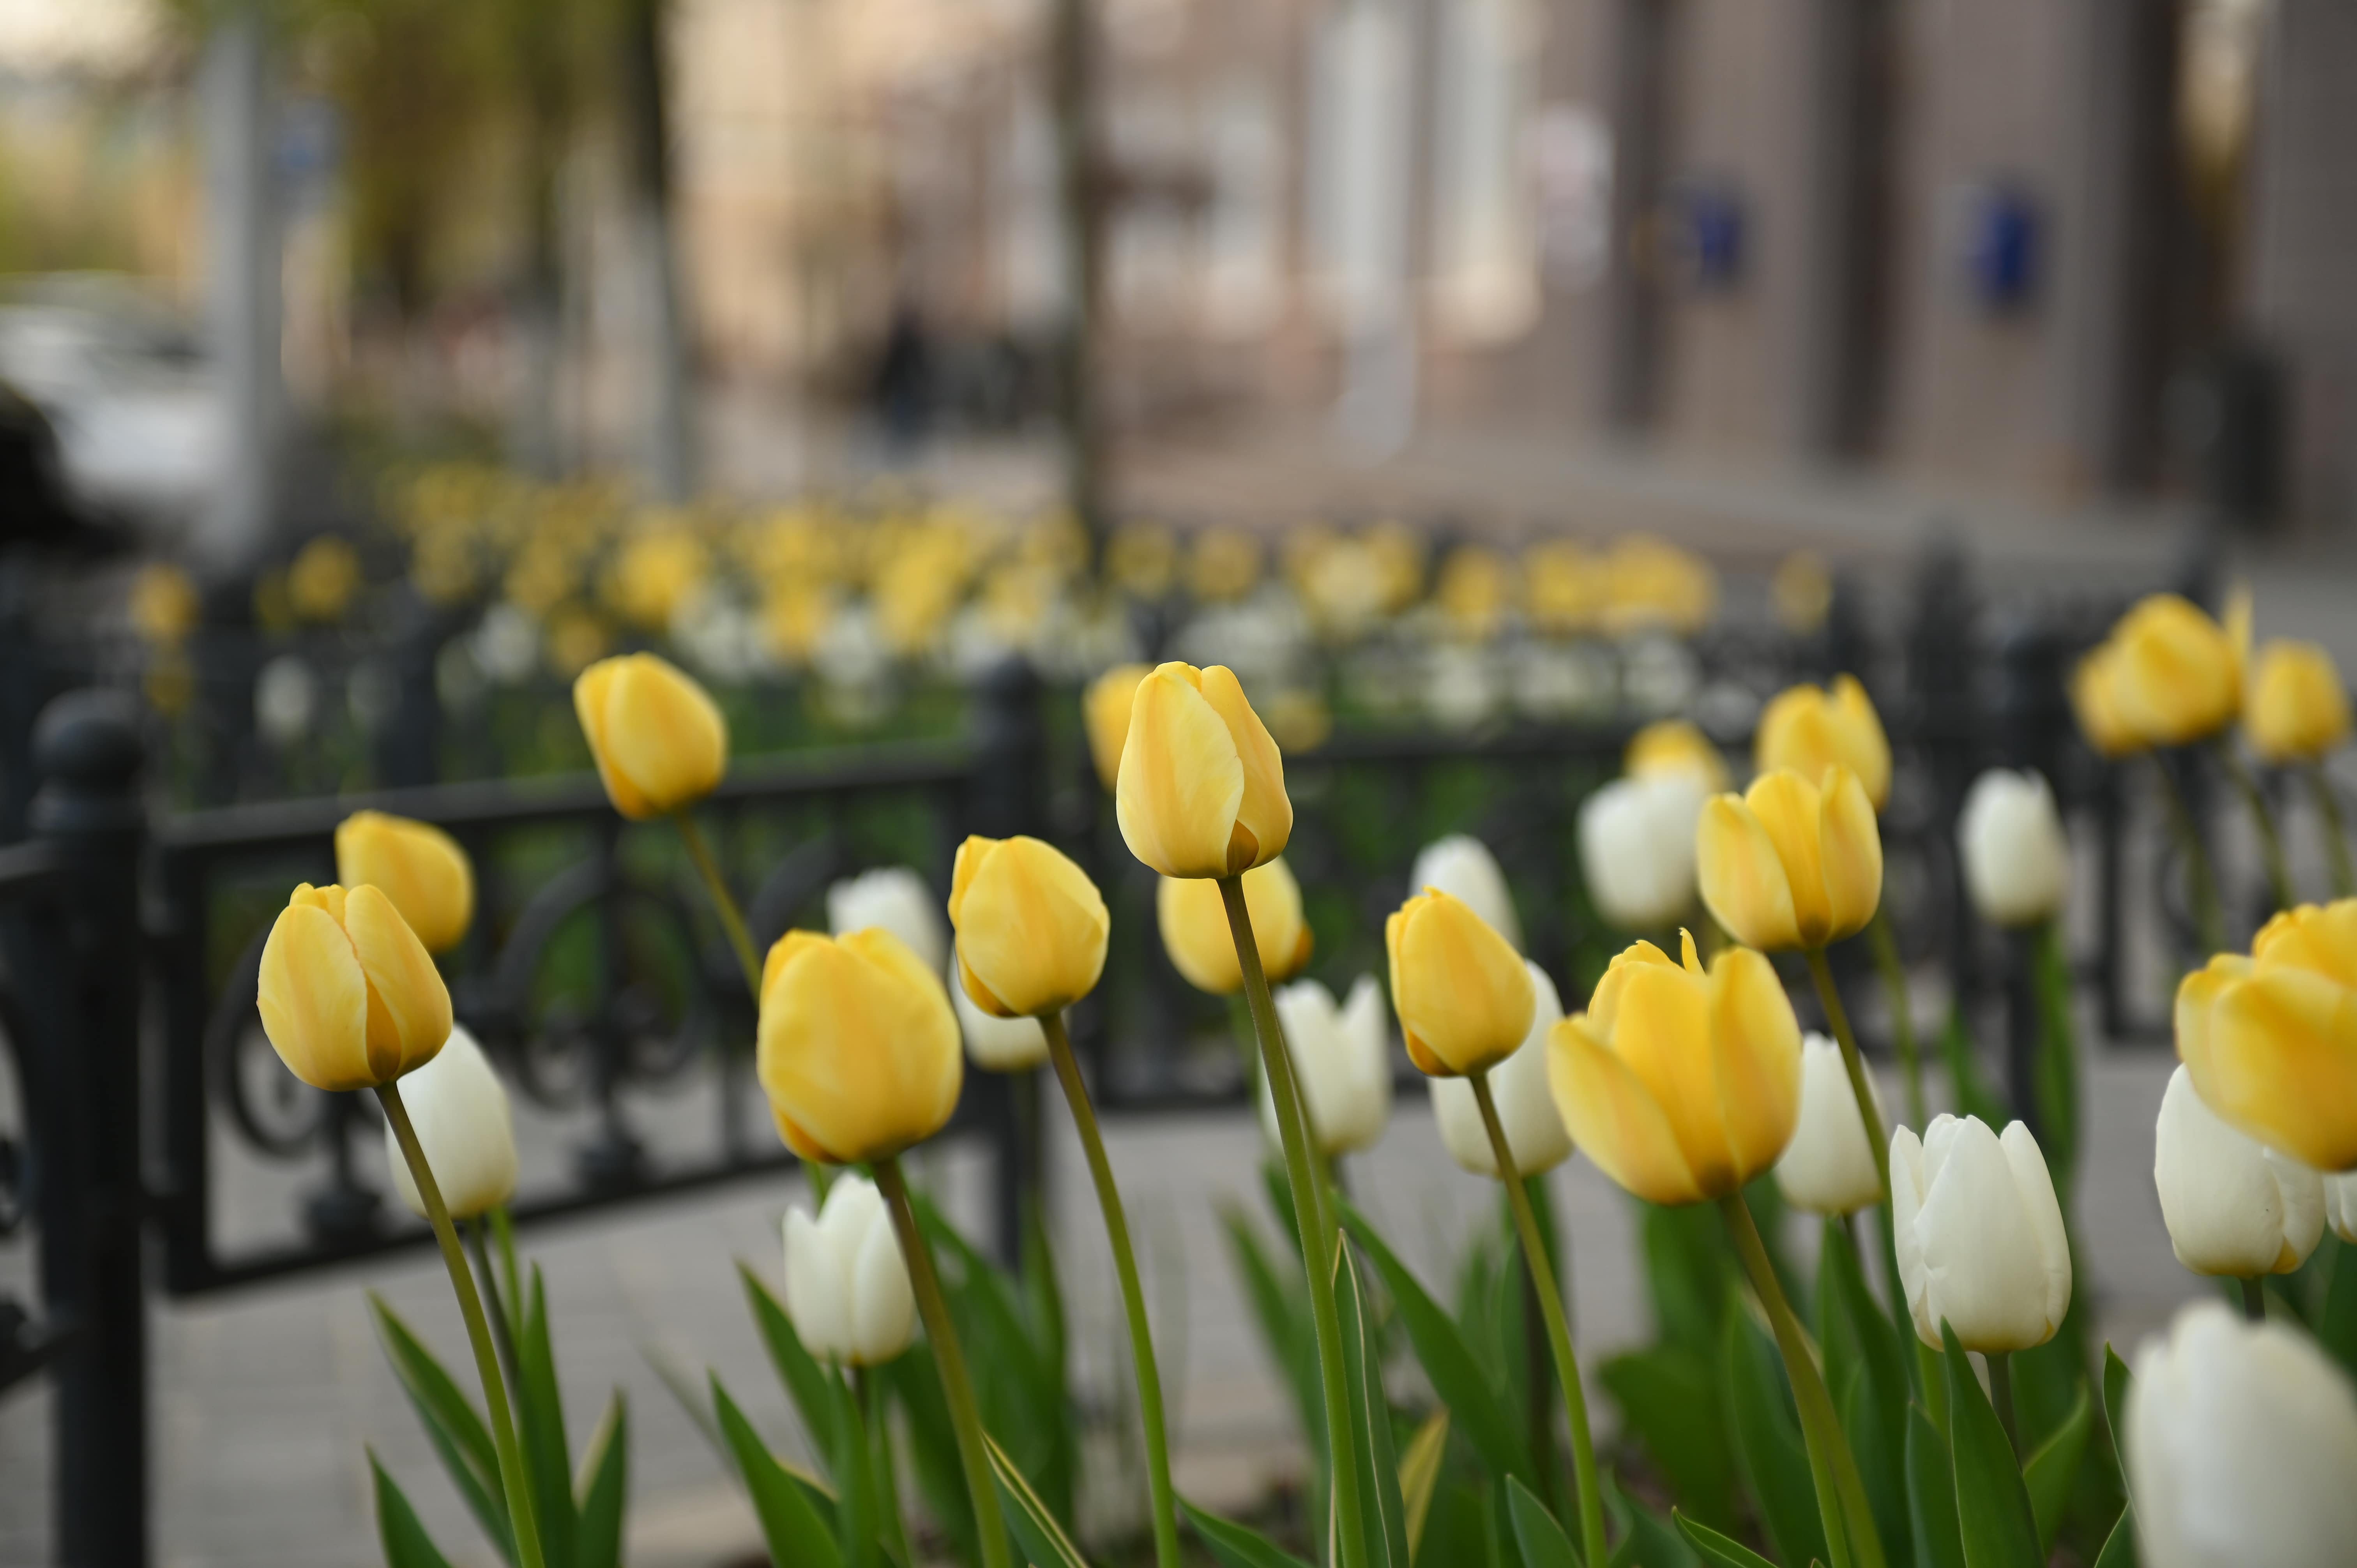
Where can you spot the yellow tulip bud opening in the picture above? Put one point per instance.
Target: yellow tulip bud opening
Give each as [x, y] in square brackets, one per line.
[348, 994]
[1194, 921]
[1201, 791]
[417, 865]
[2298, 709]
[1463, 994]
[1031, 927]
[1809, 731]
[858, 1051]
[2271, 1040]
[1789, 864]
[659, 741]
[1104, 708]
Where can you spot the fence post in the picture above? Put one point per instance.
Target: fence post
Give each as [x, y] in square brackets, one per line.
[86, 744]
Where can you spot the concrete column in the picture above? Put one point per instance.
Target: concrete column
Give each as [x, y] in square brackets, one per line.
[1635, 97]
[1843, 139]
[237, 100]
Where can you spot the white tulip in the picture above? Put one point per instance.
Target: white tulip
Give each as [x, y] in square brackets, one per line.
[1536, 1135]
[459, 1109]
[1341, 1058]
[1637, 844]
[898, 900]
[2232, 1206]
[1462, 866]
[2242, 1443]
[847, 1285]
[2016, 857]
[1979, 1234]
[2341, 1205]
[1828, 1167]
[997, 1045]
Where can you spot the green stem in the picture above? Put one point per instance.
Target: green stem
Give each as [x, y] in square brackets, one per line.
[1317, 1235]
[2270, 843]
[868, 1390]
[1850, 1535]
[502, 1325]
[2000, 1371]
[512, 1479]
[2208, 918]
[2336, 843]
[1853, 1063]
[1885, 943]
[1566, 1362]
[949, 1360]
[2254, 1301]
[1133, 1295]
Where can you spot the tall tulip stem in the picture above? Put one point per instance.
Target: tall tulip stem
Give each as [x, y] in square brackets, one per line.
[2000, 1371]
[2270, 843]
[724, 902]
[1885, 942]
[2254, 1300]
[513, 1482]
[1566, 1362]
[503, 1336]
[2336, 843]
[949, 1360]
[1133, 1296]
[1318, 1233]
[1850, 1536]
[2209, 917]
[1837, 1019]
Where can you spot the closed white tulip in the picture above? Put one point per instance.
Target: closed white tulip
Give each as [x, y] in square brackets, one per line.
[2242, 1443]
[1637, 845]
[994, 1044]
[2341, 1205]
[2232, 1206]
[847, 1285]
[1341, 1058]
[1462, 866]
[2016, 857]
[900, 901]
[461, 1111]
[1536, 1135]
[1828, 1167]
[1979, 1234]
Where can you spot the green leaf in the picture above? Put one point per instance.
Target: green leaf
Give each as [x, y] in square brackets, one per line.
[1476, 1406]
[2117, 1380]
[405, 1542]
[1042, 1539]
[858, 1517]
[1669, 1399]
[1992, 1507]
[1767, 1442]
[1043, 1292]
[1689, 1274]
[603, 1491]
[1279, 1187]
[1647, 1539]
[1234, 1545]
[806, 1382]
[1419, 1472]
[915, 1381]
[1932, 1495]
[1382, 1509]
[457, 1430]
[2051, 1469]
[539, 1419]
[2055, 1073]
[2120, 1547]
[688, 1391]
[1543, 1544]
[1719, 1548]
[795, 1531]
[1866, 1371]
[2336, 1315]
[1280, 1304]
[1970, 1090]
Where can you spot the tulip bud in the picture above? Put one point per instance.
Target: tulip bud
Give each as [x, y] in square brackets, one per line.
[1808, 731]
[1342, 1059]
[1194, 920]
[2017, 858]
[1674, 745]
[1104, 709]
[847, 1288]
[2094, 686]
[1637, 846]
[1463, 994]
[1031, 927]
[2234, 1206]
[659, 741]
[1787, 865]
[1979, 1234]
[1201, 787]
[1681, 1083]
[347, 996]
[2241, 1439]
[1535, 1135]
[1829, 1166]
[897, 899]
[2171, 675]
[858, 1048]
[2297, 710]
[1462, 866]
[417, 865]
[459, 1109]
[2341, 1205]
[995, 1045]
[2266, 1038]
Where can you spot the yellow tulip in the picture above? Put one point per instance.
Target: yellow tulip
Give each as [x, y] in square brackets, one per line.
[660, 742]
[1463, 995]
[1788, 865]
[1104, 707]
[2271, 1039]
[2092, 686]
[417, 865]
[1194, 920]
[1674, 745]
[1681, 1083]
[1808, 731]
[349, 997]
[2297, 708]
[1031, 927]
[2174, 675]
[858, 1050]
[1202, 787]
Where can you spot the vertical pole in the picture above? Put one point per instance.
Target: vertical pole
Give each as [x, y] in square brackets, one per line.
[1071, 92]
[87, 747]
[1635, 91]
[245, 286]
[671, 457]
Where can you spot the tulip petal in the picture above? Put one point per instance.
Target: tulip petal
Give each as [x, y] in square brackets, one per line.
[1984, 1253]
[2278, 1063]
[409, 1007]
[1463, 997]
[1907, 1182]
[1265, 814]
[664, 737]
[858, 1051]
[1663, 1035]
[1743, 880]
[1031, 927]
[814, 1297]
[1183, 779]
[1849, 851]
[2321, 938]
[883, 1305]
[1611, 1115]
[2035, 1184]
[591, 690]
[1755, 1045]
[314, 1000]
[1791, 811]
